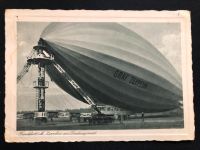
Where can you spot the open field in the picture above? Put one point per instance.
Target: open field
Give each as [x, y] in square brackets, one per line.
[148, 123]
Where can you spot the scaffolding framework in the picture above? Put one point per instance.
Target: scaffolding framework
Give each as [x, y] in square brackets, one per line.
[41, 59]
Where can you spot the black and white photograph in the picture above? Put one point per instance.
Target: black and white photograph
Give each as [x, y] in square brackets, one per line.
[99, 75]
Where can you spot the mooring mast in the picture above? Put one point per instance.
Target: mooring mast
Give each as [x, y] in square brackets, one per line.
[41, 59]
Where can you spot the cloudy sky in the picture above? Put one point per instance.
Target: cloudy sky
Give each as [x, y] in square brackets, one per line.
[164, 36]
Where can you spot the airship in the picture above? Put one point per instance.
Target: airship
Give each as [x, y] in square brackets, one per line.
[114, 65]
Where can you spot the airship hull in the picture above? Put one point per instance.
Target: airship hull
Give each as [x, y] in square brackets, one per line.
[138, 85]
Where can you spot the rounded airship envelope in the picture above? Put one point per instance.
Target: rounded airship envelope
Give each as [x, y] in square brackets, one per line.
[114, 65]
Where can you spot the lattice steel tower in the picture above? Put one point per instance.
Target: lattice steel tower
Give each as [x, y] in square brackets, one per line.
[40, 58]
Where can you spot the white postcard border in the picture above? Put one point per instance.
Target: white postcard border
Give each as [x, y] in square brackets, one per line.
[13, 16]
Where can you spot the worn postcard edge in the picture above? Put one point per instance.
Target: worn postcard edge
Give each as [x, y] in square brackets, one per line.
[11, 135]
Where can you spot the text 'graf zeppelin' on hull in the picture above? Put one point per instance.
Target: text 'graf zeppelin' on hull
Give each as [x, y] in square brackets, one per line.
[114, 65]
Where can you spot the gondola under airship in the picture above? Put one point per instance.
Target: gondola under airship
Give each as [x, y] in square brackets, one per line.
[114, 65]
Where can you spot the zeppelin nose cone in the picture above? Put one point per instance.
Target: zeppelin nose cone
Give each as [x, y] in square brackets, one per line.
[114, 65]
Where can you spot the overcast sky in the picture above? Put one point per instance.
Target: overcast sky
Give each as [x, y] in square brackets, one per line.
[164, 36]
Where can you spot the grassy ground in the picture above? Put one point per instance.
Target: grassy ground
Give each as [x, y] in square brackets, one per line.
[149, 123]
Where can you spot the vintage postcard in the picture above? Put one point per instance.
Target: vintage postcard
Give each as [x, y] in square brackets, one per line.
[81, 75]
